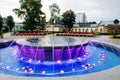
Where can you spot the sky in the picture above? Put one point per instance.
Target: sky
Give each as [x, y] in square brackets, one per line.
[96, 10]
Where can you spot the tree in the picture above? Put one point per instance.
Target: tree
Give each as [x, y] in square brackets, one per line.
[30, 10]
[55, 11]
[1, 24]
[116, 21]
[10, 22]
[93, 22]
[68, 19]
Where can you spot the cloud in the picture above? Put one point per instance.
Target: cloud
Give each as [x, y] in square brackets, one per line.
[95, 10]
[7, 6]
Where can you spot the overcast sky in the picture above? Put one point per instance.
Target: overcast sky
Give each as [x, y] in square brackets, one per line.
[96, 10]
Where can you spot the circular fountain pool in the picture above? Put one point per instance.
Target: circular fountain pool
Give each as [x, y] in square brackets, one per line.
[51, 48]
[53, 56]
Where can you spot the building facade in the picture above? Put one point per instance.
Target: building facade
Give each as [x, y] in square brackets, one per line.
[103, 27]
[80, 18]
[84, 29]
[109, 27]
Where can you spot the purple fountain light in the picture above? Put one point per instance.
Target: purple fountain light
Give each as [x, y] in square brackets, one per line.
[64, 49]
[53, 56]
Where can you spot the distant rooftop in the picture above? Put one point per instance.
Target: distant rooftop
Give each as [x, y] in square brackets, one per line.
[107, 23]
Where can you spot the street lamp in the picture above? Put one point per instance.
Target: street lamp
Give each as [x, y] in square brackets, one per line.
[42, 16]
[53, 25]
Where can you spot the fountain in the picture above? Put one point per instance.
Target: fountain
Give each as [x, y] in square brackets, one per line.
[55, 56]
[35, 49]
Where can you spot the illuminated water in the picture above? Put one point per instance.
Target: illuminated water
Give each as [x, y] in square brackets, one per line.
[96, 57]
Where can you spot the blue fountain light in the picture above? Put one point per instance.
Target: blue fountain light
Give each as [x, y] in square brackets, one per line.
[29, 58]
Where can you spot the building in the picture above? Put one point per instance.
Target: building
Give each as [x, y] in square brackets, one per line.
[109, 27]
[91, 28]
[55, 28]
[80, 18]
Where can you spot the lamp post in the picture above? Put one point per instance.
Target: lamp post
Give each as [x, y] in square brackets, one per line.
[53, 19]
[42, 17]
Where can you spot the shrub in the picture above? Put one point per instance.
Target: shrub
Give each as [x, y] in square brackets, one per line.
[116, 36]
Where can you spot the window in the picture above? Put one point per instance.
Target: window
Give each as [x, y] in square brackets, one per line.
[75, 30]
[92, 30]
[83, 30]
[86, 30]
[101, 30]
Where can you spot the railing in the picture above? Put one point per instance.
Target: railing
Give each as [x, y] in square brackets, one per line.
[91, 34]
[80, 32]
[30, 33]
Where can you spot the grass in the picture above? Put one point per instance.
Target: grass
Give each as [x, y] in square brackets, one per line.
[116, 36]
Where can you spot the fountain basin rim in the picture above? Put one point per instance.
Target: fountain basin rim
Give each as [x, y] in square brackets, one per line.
[27, 44]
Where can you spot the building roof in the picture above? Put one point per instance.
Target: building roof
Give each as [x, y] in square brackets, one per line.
[85, 25]
[105, 23]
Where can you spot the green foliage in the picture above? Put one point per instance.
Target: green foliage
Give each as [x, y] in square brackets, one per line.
[116, 36]
[93, 22]
[116, 33]
[5, 29]
[103, 33]
[68, 19]
[30, 11]
[10, 22]
[1, 24]
[55, 11]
